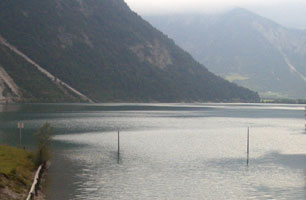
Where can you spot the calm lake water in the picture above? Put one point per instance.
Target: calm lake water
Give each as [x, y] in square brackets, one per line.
[168, 151]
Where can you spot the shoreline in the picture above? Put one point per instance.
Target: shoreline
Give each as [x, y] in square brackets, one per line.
[17, 172]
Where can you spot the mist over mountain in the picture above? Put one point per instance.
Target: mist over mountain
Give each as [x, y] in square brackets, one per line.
[244, 48]
[98, 51]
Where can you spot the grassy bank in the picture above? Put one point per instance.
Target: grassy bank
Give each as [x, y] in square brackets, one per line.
[16, 172]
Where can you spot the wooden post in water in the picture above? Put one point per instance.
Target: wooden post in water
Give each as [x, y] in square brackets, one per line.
[118, 143]
[248, 146]
[305, 118]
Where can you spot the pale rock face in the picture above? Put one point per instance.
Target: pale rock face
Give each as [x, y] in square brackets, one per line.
[153, 53]
[284, 41]
[282, 38]
[65, 39]
[8, 87]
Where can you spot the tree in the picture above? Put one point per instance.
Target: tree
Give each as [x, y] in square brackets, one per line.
[44, 138]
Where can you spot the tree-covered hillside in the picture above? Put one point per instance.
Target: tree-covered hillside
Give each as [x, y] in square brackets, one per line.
[107, 52]
[32, 85]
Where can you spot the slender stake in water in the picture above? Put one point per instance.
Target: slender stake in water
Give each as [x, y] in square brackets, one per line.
[248, 146]
[118, 143]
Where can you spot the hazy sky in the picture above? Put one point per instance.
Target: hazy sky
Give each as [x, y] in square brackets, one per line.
[291, 13]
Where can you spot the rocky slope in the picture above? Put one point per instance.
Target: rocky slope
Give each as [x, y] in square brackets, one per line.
[245, 48]
[100, 51]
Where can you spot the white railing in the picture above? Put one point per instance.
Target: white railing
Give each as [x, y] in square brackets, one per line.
[36, 182]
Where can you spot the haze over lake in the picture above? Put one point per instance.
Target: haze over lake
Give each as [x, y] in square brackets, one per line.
[168, 151]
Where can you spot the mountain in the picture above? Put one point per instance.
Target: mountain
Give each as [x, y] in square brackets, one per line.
[244, 48]
[98, 51]
[22, 80]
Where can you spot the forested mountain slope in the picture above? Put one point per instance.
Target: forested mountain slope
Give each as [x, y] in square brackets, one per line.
[103, 51]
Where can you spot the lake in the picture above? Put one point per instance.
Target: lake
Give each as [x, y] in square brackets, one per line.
[167, 151]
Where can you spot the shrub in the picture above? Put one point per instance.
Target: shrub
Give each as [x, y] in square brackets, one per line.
[44, 138]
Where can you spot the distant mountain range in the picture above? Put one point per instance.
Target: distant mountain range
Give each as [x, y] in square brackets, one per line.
[97, 51]
[244, 48]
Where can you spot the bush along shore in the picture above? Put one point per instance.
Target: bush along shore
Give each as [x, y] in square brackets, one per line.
[19, 168]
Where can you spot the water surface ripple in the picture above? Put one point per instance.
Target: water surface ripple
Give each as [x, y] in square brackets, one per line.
[169, 151]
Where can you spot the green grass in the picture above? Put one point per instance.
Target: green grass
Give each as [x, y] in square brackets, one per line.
[16, 168]
[236, 77]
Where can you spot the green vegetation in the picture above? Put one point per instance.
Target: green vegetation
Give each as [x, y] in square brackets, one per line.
[287, 101]
[16, 169]
[44, 138]
[17, 166]
[107, 52]
[236, 77]
[272, 95]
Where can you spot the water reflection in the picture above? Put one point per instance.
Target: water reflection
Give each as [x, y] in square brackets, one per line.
[10, 107]
[169, 151]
